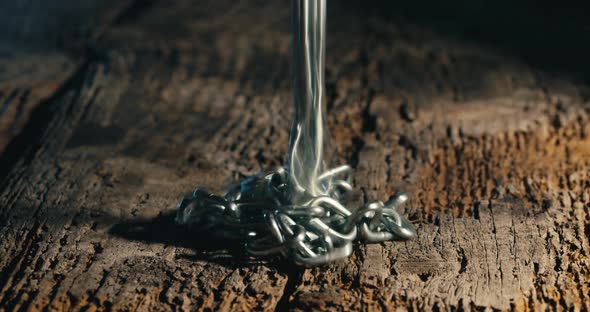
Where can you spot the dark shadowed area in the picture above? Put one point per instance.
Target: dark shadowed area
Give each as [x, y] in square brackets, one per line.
[111, 110]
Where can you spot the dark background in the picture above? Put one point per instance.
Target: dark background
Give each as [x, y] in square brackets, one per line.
[110, 110]
[553, 35]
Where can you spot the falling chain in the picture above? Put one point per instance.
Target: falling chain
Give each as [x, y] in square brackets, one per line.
[299, 212]
[259, 212]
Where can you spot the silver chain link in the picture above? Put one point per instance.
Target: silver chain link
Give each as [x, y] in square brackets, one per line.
[300, 213]
[260, 213]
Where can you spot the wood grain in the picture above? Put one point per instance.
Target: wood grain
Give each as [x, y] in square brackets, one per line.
[42, 45]
[493, 152]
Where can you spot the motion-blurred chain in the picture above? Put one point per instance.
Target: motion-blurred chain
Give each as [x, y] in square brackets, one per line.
[260, 213]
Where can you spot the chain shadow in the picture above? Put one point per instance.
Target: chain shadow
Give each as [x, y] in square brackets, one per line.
[206, 247]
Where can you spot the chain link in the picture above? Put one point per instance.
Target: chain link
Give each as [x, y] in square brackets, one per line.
[260, 212]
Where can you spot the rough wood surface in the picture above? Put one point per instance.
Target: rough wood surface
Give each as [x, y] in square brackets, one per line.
[493, 152]
[41, 47]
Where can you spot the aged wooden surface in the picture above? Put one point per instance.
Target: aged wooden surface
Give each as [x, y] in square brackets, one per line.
[494, 153]
[41, 47]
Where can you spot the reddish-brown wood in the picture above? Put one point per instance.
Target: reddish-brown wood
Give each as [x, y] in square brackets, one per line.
[493, 152]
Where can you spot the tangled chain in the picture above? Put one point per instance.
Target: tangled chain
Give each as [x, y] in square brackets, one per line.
[260, 212]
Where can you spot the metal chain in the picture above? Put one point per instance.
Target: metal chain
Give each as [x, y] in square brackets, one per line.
[260, 212]
[299, 214]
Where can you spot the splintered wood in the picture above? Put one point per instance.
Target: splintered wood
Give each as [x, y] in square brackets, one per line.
[494, 153]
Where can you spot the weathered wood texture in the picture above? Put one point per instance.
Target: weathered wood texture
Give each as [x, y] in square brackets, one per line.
[41, 46]
[493, 152]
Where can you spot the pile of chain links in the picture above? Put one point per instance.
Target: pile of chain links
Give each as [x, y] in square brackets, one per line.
[260, 212]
